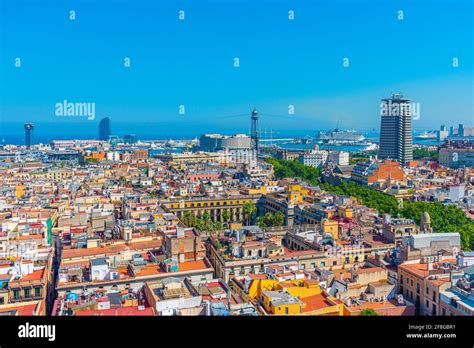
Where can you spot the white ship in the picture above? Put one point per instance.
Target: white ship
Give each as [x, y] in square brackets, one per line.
[338, 136]
[426, 136]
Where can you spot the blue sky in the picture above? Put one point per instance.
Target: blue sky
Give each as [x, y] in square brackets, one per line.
[190, 62]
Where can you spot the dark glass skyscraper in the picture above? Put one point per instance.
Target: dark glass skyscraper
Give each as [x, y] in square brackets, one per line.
[105, 129]
[395, 129]
[28, 129]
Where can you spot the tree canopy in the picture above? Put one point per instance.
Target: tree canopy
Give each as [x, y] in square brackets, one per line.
[444, 218]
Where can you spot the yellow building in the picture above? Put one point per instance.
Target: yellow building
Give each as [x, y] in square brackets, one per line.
[213, 206]
[331, 227]
[295, 197]
[259, 285]
[295, 297]
[19, 191]
[345, 212]
[298, 188]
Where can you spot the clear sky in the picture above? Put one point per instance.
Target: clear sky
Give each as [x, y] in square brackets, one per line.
[282, 62]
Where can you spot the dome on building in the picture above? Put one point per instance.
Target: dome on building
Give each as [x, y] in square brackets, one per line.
[426, 218]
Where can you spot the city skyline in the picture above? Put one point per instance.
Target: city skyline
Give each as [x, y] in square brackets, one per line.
[187, 63]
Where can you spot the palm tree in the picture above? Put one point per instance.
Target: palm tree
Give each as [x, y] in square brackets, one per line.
[188, 219]
[249, 210]
[278, 219]
[226, 217]
[206, 217]
[260, 221]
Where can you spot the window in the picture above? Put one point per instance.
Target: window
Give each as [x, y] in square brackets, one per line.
[16, 294]
[286, 310]
[427, 291]
[427, 304]
[27, 292]
[417, 288]
[323, 264]
[401, 278]
[313, 265]
[303, 266]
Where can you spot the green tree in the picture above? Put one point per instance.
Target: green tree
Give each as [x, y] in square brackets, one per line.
[424, 153]
[368, 312]
[249, 209]
[188, 219]
[217, 244]
[269, 219]
[226, 217]
[260, 221]
[279, 219]
[206, 217]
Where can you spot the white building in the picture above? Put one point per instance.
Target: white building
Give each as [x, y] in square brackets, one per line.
[456, 192]
[465, 259]
[99, 269]
[340, 158]
[243, 156]
[314, 158]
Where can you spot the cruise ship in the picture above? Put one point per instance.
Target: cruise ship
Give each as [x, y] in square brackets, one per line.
[426, 136]
[338, 136]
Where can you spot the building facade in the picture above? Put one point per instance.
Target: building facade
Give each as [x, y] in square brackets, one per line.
[395, 129]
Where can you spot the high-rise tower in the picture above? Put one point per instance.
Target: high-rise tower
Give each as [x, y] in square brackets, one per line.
[28, 129]
[254, 130]
[105, 129]
[395, 129]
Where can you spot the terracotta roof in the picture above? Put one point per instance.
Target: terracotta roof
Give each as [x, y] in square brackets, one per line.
[369, 270]
[183, 267]
[421, 269]
[36, 275]
[126, 311]
[21, 310]
[84, 252]
[316, 302]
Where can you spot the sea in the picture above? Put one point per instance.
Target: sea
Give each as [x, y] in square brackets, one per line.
[45, 133]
